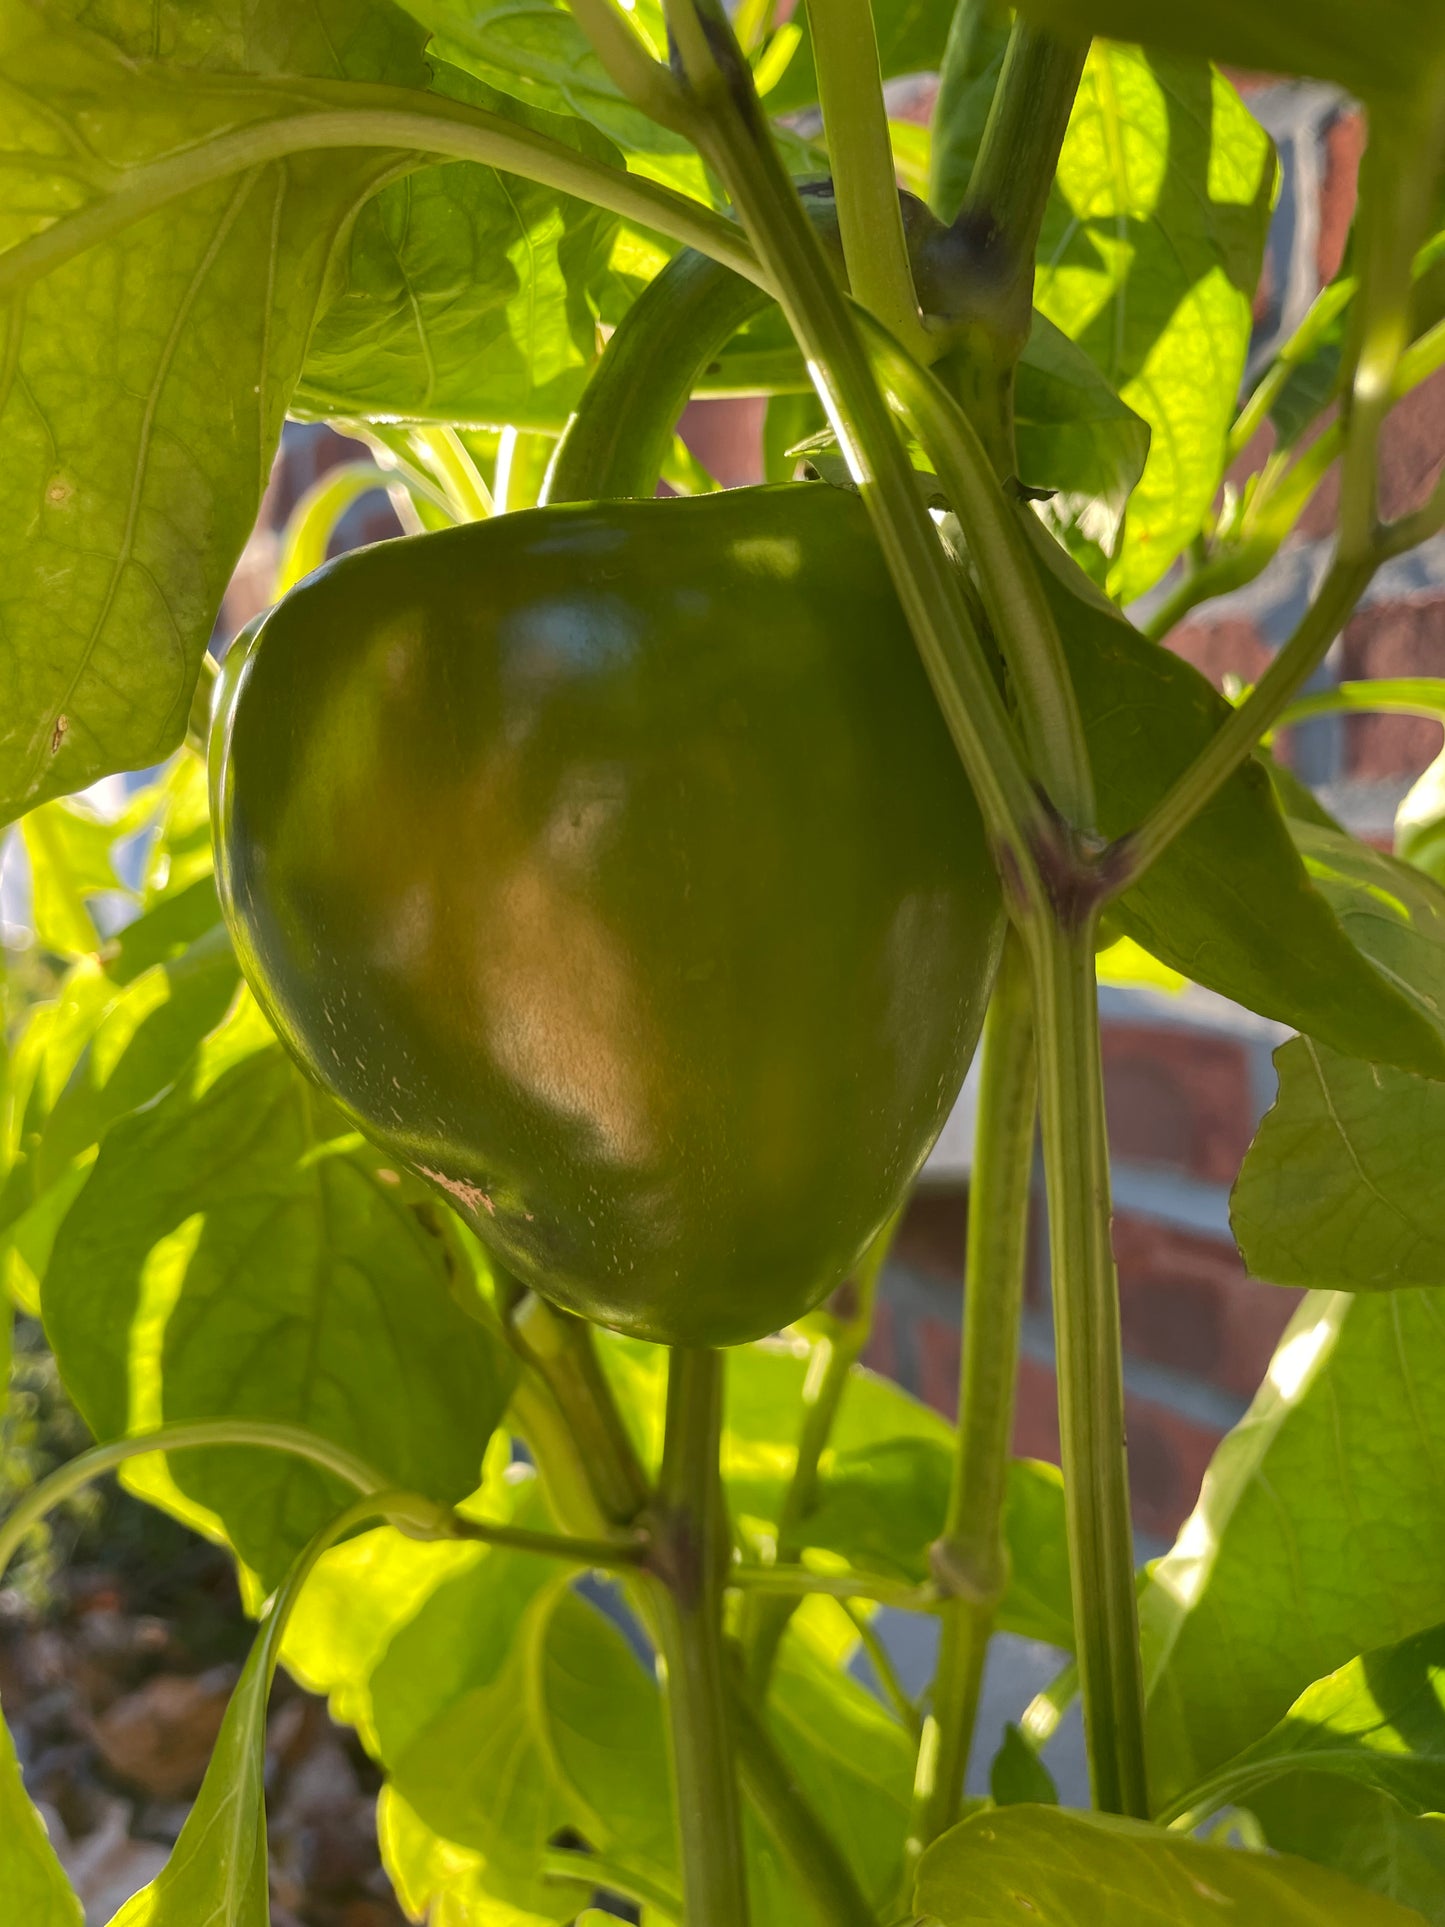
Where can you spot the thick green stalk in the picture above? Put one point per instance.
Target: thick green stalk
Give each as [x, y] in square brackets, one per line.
[971, 1560]
[1090, 1363]
[693, 1551]
[997, 227]
[974, 33]
[860, 154]
[574, 1491]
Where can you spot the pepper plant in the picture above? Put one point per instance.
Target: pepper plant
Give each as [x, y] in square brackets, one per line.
[465, 1198]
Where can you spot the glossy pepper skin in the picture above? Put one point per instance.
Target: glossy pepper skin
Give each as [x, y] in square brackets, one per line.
[612, 866]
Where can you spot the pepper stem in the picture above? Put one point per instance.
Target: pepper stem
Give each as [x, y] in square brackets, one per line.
[692, 1558]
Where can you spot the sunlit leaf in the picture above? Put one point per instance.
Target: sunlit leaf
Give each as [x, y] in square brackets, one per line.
[238, 1252]
[1379, 1720]
[1317, 1531]
[1149, 258]
[1048, 1865]
[32, 1880]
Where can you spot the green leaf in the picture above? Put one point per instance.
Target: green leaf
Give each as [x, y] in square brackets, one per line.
[1230, 903]
[1341, 1186]
[1018, 1777]
[237, 1252]
[1382, 48]
[1379, 1720]
[146, 378]
[435, 1879]
[69, 850]
[1076, 437]
[1364, 1835]
[1149, 258]
[115, 1049]
[881, 1505]
[453, 1705]
[1392, 913]
[1062, 1869]
[1420, 822]
[537, 52]
[464, 294]
[1316, 1536]
[217, 1875]
[31, 1878]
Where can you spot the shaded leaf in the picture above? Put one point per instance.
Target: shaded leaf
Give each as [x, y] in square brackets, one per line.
[1062, 1869]
[236, 1252]
[1230, 903]
[1382, 48]
[1017, 1776]
[1341, 1186]
[217, 1875]
[145, 379]
[1364, 1835]
[1317, 1532]
[1149, 258]
[881, 1505]
[1379, 1720]
[1076, 437]
[32, 1880]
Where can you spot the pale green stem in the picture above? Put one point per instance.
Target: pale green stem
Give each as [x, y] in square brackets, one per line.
[1390, 696]
[795, 1582]
[860, 155]
[630, 66]
[446, 454]
[693, 1546]
[829, 1370]
[573, 1865]
[1090, 1364]
[381, 117]
[313, 520]
[971, 1559]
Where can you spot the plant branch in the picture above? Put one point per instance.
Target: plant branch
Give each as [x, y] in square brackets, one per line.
[563, 1352]
[860, 154]
[1023, 623]
[796, 1582]
[387, 117]
[630, 66]
[1013, 174]
[1236, 738]
[829, 1369]
[1090, 1365]
[971, 1560]
[181, 1437]
[887, 1672]
[735, 137]
[579, 1865]
[690, 1555]
[793, 1827]
[1389, 696]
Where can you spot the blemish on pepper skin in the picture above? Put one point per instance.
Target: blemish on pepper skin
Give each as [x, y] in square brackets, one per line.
[59, 733]
[471, 1195]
